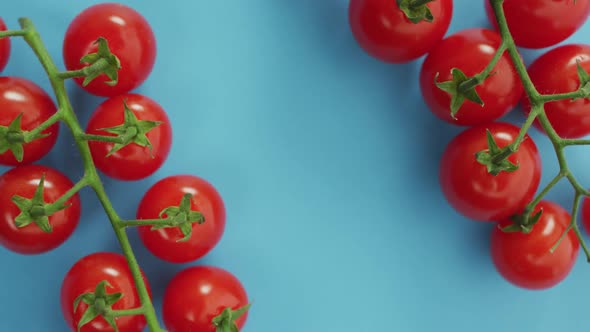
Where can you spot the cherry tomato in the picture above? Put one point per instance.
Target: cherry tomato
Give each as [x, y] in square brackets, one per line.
[470, 50]
[132, 162]
[83, 277]
[384, 31]
[479, 195]
[129, 37]
[198, 294]
[5, 47]
[169, 191]
[538, 24]
[525, 260]
[570, 119]
[31, 239]
[585, 214]
[19, 95]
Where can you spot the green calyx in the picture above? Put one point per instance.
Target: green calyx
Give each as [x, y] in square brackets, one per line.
[99, 304]
[416, 10]
[522, 222]
[181, 216]
[131, 131]
[584, 78]
[226, 321]
[460, 88]
[13, 138]
[496, 158]
[35, 210]
[101, 62]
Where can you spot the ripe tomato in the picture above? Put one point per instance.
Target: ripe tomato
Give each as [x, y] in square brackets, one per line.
[384, 31]
[475, 193]
[132, 162]
[129, 37]
[470, 50]
[19, 95]
[585, 214]
[525, 260]
[31, 239]
[538, 24]
[570, 119]
[83, 277]
[5, 47]
[169, 191]
[198, 294]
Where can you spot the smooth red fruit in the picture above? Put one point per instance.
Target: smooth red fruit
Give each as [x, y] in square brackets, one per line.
[538, 24]
[570, 119]
[83, 277]
[479, 195]
[133, 162]
[470, 50]
[31, 239]
[129, 37]
[19, 95]
[384, 32]
[585, 214]
[169, 191]
[5, 47]
[198, 294]
[525, 260]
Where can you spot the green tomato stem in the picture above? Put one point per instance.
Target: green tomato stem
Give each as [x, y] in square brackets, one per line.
[33, 134]
[562, 96]
[102, 138]
[97, 67]
[128, 312]
[12, 33]
[144, 222]
[33, 39]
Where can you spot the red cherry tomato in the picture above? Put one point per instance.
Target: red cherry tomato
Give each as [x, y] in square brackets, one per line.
[525, 260]
[585, 214]
[129, 37]
[169, 191]
[383, 30]
[19, 95]
[31, 239]
[570, 119]
[198, 294]
[538, 24]
[470, 50]
[133, 162]
[5, 47]
[475, 193]
[83, 277]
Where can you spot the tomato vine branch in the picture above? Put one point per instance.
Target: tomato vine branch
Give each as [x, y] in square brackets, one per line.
[91, 178]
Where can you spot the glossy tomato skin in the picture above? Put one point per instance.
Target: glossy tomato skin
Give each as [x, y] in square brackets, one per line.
[470, 50]
[536, 24]
[198, 294]
[83, 277]
[133, 162]
[129, 36]
[5, 47]
[19, 95]
[384, 32]
[525, 260]
[23, 181]
[570, 119]
[478, 195]
[169, 192]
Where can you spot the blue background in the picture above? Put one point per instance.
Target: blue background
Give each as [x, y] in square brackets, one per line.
[327, 162]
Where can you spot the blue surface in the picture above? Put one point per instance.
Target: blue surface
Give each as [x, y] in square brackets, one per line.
[327, 161]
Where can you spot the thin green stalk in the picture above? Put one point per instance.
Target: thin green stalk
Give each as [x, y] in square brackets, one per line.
[45, 125]
[545, 191]
[143, 222]
[562, 96]
[31, 36]
[76, 188]
[128, 312]
[12, 33]
[101, 138]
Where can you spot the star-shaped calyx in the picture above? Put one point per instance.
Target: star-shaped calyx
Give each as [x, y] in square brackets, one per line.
[103, 61]
[182, 217]
[35, 210]
[495, 158]
[460, 88]
[226, 321]
[131, 131]
[13, 138]
[416, 10]
[99, 303]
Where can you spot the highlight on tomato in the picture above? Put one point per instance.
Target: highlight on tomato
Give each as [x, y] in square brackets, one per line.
[477, 194]
[398, 31]
[32, 224]
[525, 259]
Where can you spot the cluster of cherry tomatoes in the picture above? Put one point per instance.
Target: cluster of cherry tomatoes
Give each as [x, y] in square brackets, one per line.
[195, 295]
[388, 33]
